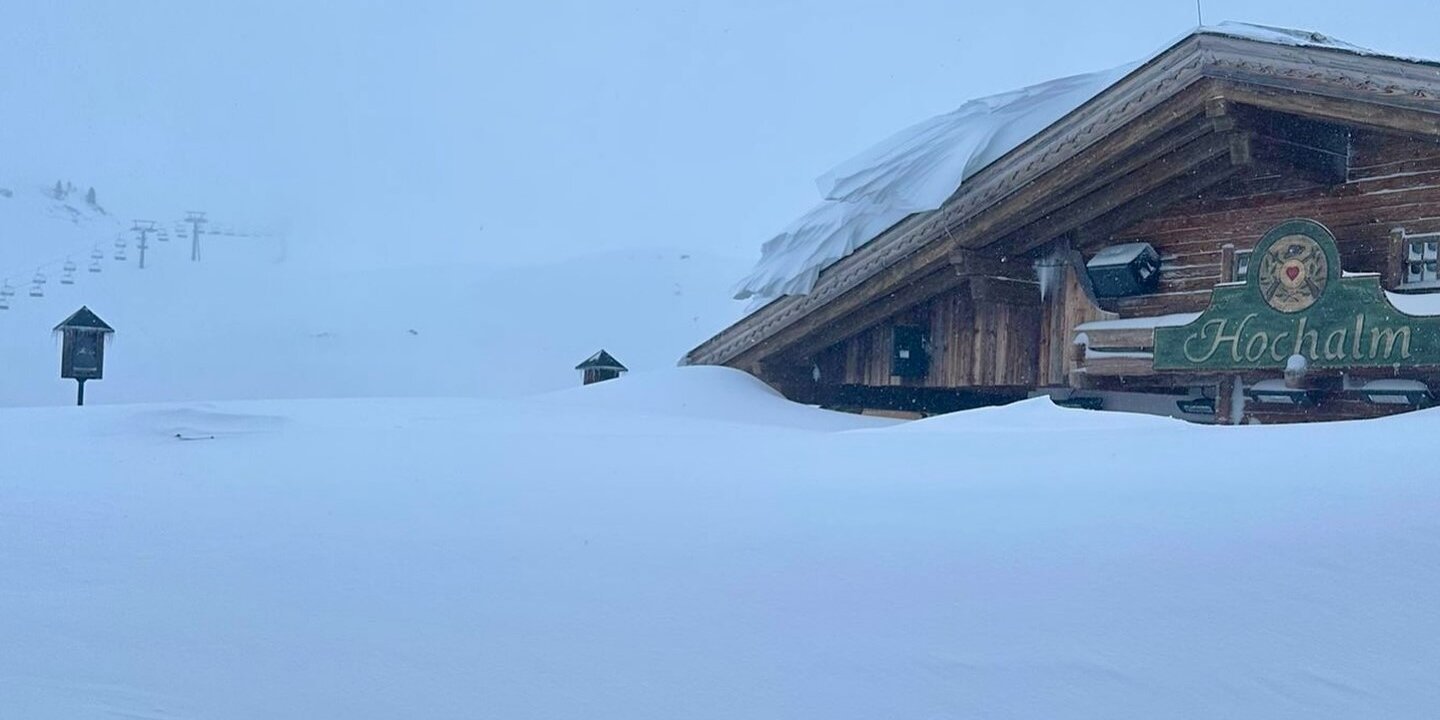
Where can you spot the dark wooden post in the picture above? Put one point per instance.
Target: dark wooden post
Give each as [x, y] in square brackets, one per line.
[1395, 261]
[1225, 389]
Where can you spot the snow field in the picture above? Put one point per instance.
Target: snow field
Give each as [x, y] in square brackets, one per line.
[686, 544]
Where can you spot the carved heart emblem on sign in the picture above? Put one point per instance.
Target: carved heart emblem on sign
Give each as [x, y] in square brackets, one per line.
[1292, 272]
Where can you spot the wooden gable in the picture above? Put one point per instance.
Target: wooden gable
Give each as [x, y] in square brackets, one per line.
[1211, 113]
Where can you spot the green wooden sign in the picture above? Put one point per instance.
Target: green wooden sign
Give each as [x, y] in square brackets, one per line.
[1295, 301]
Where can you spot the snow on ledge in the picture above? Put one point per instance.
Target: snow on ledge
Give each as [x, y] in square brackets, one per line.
[1415, 303]
[1093, 354]
[1140, 323]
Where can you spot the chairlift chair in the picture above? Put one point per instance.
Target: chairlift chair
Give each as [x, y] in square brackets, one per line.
[37, 290]
[39, 278]
[95, 266]
[120, 254]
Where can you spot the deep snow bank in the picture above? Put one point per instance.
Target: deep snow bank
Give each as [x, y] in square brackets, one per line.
[1037, 415]
[505, 558]
[708, 393]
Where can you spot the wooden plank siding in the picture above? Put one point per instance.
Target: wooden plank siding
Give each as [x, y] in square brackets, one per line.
[972, 344]
[1069, 308]
[1393, 181]
[976, 341]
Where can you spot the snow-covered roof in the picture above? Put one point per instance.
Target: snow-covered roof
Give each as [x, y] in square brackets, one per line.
[1121, 254]
[601, 361]
[920, 167]
[85, 319]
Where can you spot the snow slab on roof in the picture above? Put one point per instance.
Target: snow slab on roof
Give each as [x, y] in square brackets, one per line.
[1122, 254]
[917, 169]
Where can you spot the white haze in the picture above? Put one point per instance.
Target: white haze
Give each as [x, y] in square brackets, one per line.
[410, 133]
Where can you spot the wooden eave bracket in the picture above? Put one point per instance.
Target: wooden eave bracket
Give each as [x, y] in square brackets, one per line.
[1004, 291]
[970, 263]
[1217, 109]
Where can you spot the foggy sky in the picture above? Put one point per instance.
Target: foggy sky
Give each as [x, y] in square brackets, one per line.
[424, 132]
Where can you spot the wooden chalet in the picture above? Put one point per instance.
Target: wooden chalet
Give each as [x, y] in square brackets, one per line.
[1157, 216]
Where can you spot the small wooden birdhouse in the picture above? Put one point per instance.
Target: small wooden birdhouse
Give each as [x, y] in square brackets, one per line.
[600, 367]
[82, 354]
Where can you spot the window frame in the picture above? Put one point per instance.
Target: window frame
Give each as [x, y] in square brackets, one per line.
[1241, 256]
[1426, 257]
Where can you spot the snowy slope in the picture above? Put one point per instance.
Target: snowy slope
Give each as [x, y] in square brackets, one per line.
[39, 230]
[618, 552]
[241, 325]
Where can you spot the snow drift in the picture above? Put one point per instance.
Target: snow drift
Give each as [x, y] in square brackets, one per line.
[605, 555]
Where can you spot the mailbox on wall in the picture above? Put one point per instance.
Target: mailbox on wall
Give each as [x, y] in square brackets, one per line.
[1124, 270]
[910, 357]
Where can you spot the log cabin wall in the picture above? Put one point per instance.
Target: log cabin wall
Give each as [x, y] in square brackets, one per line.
[1063, 312]
[972, 344]
[1393, 181]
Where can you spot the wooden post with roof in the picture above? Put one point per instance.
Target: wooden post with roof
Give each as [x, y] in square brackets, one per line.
[82, 356]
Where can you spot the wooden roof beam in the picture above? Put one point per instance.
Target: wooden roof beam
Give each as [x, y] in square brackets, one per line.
[1100, 229]
[1093, 173]
[1315, 149]
[1134, 146]
[1405, 121]
[1231, 145]
[815, 337]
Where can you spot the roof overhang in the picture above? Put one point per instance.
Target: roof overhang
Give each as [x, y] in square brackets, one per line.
[1200, 70]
